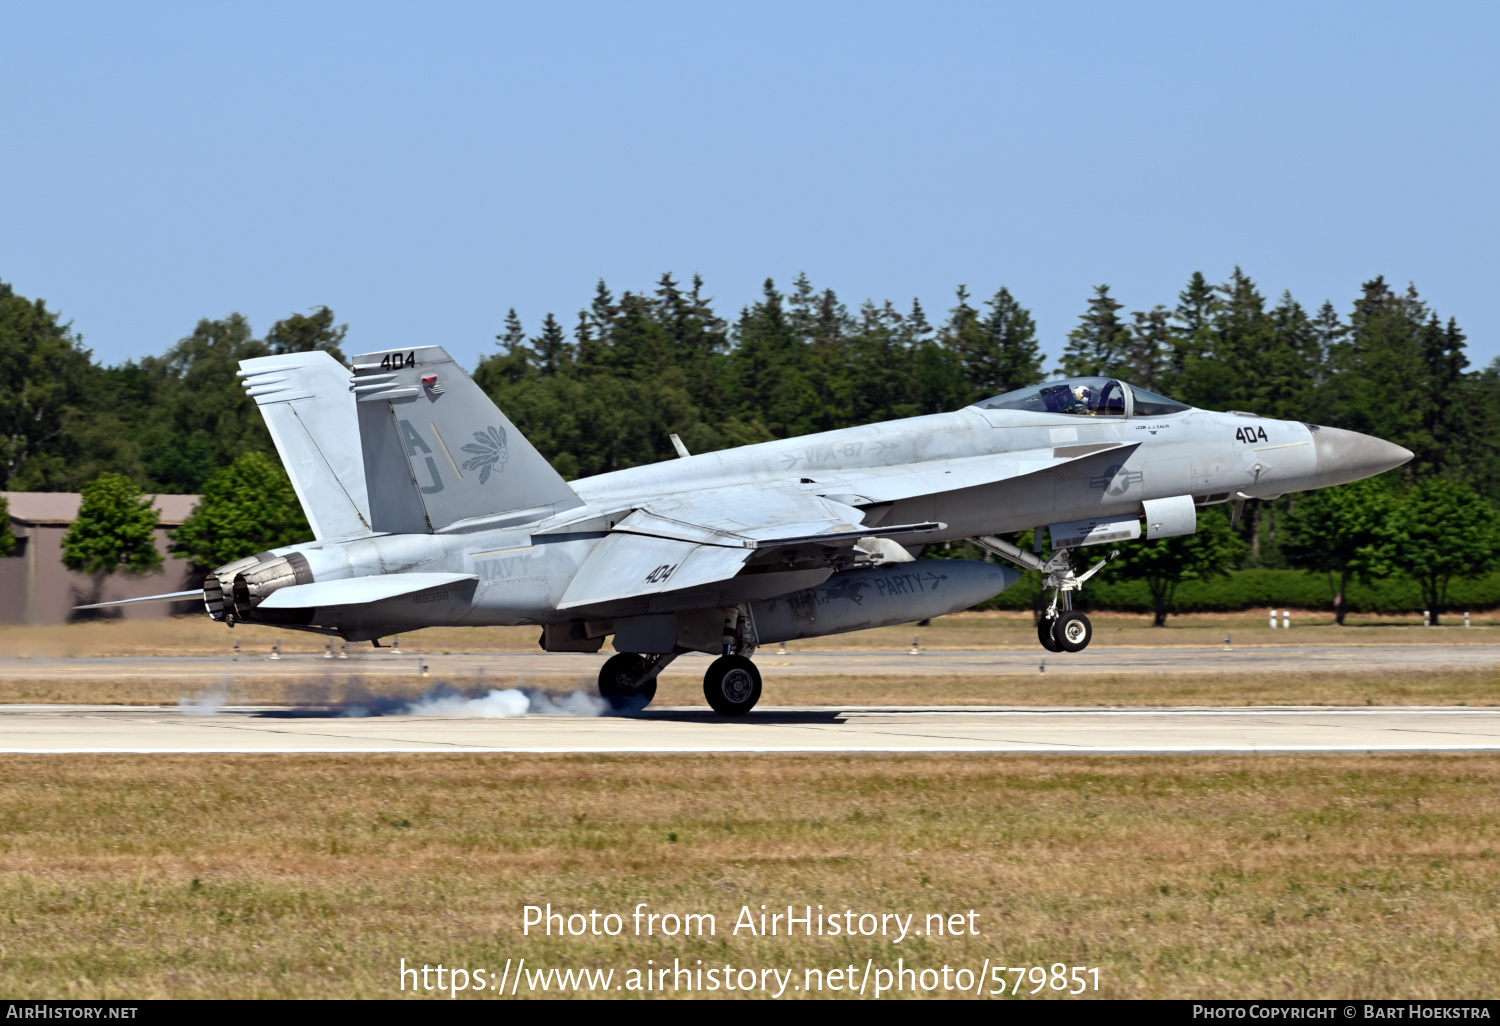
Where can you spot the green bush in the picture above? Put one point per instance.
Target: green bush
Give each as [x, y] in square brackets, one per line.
[1251, 589]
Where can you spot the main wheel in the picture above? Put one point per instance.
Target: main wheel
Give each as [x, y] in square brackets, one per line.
[1044, 633]
[1073, 632]
[620, 683]
[732, 685]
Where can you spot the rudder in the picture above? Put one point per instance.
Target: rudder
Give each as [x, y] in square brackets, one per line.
[305, 400]
[437, 450]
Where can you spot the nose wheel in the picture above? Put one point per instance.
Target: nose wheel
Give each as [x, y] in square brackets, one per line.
[1061, 628]
[732, 685]
[1044, 632]
[1072, 631]
[1065, 631]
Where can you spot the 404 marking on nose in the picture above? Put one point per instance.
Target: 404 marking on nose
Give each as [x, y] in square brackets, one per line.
[1250, 434]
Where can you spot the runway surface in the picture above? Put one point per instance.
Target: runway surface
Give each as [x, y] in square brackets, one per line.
[99, 729]
[556, 666]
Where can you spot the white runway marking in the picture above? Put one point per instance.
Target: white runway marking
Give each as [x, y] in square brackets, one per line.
[103, 729]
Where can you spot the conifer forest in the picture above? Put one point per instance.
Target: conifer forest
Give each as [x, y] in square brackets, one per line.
[603, 388]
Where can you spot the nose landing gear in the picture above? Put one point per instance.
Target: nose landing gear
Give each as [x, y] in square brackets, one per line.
[1062, 629]
[1044, 631]
[1072, 631]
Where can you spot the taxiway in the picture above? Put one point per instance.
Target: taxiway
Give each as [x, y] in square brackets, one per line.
[100, 729]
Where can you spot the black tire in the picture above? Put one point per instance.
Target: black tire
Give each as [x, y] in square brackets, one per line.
[1044, 633]
[1073, 631]
[620, 683]
[732, 685]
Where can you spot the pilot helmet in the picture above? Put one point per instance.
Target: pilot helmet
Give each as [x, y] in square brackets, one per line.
[1084, 394]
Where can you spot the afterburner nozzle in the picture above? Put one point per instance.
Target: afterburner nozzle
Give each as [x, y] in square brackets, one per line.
[1345, 456]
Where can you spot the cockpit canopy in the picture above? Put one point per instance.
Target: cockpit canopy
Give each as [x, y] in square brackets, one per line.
[1086, 397]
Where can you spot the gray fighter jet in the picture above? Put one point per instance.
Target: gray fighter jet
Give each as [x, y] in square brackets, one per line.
[429, 508]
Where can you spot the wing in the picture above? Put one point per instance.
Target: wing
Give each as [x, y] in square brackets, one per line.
[689, 541]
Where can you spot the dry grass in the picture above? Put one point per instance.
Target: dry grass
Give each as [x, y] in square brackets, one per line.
[197, 635]
[1340, 688]
[311, 876]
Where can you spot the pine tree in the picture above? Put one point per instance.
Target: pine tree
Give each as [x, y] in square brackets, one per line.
[938, 377]
[513, 362]
[514, 335]
[828, 331]
[554, 353]
[639, 344]
[699, 339]
[998, 352]
[1150, 348]
[1192, 325]
[769, 368]
[1292, 364]
[1380, 368]
[1451, 416]
[1100, 345]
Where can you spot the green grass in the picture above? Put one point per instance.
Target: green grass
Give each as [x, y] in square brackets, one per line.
[311, 876]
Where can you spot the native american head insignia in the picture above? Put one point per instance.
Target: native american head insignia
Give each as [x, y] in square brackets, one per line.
[489, 453]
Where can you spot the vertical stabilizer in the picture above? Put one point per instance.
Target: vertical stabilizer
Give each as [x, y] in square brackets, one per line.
[305, 400]
[437, 450]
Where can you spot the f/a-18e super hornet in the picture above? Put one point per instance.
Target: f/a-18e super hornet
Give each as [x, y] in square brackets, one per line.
[429, 508]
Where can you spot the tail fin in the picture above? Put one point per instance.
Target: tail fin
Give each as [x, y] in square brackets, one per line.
[305, 400]
[437, 450]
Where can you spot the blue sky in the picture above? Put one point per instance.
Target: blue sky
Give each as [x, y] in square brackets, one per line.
[423, 167]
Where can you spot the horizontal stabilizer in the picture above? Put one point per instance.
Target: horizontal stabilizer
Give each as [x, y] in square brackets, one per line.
[178, 595]
[357, 591]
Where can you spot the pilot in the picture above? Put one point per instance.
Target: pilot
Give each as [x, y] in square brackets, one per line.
[1085, 397]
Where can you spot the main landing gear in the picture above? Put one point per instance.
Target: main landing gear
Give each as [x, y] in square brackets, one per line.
[732, 685]
[628, 682]
[1061, 627]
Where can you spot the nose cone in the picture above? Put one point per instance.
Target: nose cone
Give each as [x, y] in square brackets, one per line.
[1345, 456]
